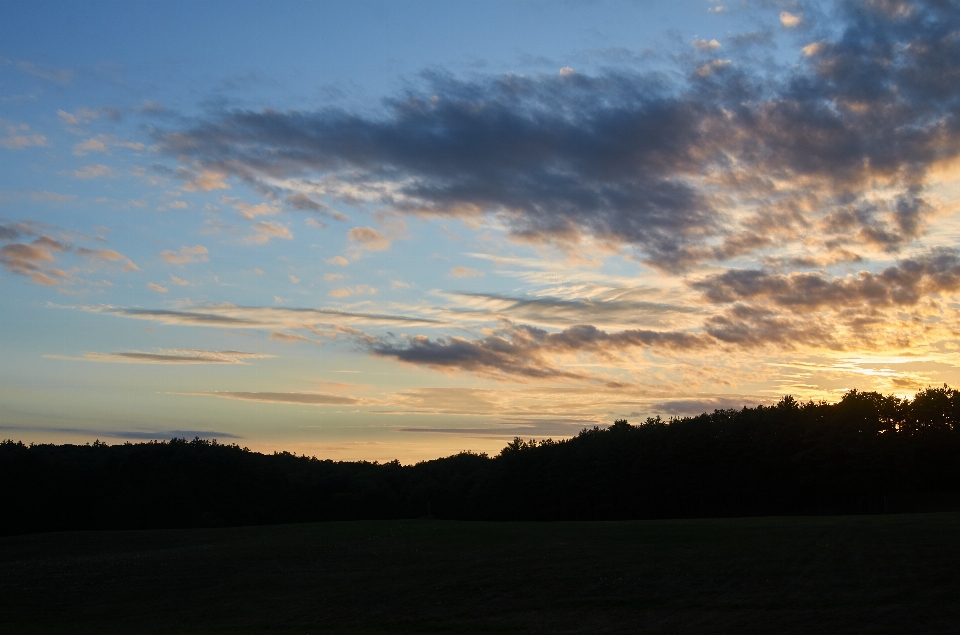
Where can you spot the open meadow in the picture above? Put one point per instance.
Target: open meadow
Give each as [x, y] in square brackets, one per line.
[825, 574]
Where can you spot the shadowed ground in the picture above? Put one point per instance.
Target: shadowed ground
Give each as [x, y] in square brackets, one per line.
[861, 574]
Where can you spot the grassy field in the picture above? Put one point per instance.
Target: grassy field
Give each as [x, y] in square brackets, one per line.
[862, 574]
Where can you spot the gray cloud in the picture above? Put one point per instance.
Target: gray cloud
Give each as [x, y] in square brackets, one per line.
[699, 406]
[130, 434]
[35, 260]
[607, 305]
[621, 156]
[901, 285]
[522, 350]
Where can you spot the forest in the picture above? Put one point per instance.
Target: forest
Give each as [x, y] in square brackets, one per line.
[867, 454]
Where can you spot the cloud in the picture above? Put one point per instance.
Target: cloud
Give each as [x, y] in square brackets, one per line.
[131, 434]
[169, 356]
[333, 276]
[903, 284]
[9, 232]
[54, 197]
[19, 137]
[706, 404]
[157, 287]
[706, 46]
[265, 230]
[102, 143]
[617, 307]
[345, 292]
[206, 181]
[79, 118]
[294, 279]
[303, 202]
[525, 351]
[108, 255]
[789, 20]
[465, 272]
[59, 75]
[94, 171]
[34, 260]
[178, 281]
[265, 318]
[369, 238]
[292, 338]
[249, 211]
[197, 253]
[722, 163]
[294, 398]
[90, 145]
[338, 260]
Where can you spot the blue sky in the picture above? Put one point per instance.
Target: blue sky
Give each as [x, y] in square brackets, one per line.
[404, 229]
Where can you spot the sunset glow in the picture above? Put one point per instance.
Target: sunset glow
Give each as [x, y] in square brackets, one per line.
[401, 230]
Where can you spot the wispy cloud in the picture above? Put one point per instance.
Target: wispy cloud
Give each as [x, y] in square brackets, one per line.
[168, 356]
[295, 398]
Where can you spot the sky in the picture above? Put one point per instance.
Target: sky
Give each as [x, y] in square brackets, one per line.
[400, 230]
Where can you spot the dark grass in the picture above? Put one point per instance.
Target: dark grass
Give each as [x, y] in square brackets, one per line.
[853, 574]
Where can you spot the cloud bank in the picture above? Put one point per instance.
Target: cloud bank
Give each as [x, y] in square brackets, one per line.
[724, 162]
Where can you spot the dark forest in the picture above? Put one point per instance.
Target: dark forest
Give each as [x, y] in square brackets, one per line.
[867, 454]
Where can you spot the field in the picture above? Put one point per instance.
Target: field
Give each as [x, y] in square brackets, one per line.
[853, 574]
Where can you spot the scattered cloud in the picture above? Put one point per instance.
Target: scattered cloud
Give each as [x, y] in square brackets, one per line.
[790, 20]
[95, 171]
[465, 272]
[706, 46]
[249, 211]
[197, 253]
[34, 260]
[78, 118]
[345, 292]
[265, 230]
[103, 143]
[19, 137]
[206, 181]
[157, 287]
[109, 255]
[369, 238]
[178, 281]
[338, 260]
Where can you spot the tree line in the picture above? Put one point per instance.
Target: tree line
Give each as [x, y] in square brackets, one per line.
[869, 453]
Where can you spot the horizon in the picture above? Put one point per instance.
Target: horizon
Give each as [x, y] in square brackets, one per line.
[377, 231]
